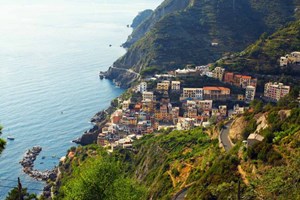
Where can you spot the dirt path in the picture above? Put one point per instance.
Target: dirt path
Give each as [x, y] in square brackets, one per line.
[243, 175]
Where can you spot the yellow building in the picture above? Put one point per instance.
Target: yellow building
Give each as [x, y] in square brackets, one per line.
[163, 86]
[148, 95]
[218, 73]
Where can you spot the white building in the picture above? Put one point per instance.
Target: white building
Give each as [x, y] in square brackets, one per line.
[142, 87]
[250, 94]
[185, 72]
[175, 85]
[284, 61]
[293, 58]
[254, 138]
[192, 93]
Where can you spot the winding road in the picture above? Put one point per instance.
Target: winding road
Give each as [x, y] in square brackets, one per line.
[126, 70]
[224, 137]
[227, 144]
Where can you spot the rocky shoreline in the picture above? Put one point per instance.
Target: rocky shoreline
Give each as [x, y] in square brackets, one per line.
[28, 166]
[99, 120]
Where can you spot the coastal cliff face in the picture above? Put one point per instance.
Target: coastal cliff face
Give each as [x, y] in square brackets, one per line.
[182, 32]
[167, 7]
[123, 77]
[141, 18]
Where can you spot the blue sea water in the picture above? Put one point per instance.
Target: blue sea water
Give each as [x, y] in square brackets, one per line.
[50, 54]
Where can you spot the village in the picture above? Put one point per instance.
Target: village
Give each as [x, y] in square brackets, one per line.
[183, 99]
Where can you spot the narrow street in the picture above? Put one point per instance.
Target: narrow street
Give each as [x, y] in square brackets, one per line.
[224, 136]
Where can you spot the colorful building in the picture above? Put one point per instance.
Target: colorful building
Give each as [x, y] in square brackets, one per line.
[275, 91]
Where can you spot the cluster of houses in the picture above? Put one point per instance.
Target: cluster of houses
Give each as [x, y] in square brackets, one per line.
[153, 109]
[292, 58]
[137, 117]
[242, 81]
[273, 91]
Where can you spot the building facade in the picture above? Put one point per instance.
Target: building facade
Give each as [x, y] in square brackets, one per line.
[275, 91]
[250, 94]
[163, 86]
[142, 87]
[216, 93]
[192, 93]
[218, 73]
[175, 85]
[148, 95]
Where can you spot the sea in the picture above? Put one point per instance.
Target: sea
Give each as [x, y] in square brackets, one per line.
[51, 52]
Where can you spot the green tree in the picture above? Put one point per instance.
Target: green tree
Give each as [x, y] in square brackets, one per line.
[101, 179]
[2, 144]
[14, 195]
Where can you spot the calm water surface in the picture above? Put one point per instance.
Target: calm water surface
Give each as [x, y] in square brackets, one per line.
[50, 54]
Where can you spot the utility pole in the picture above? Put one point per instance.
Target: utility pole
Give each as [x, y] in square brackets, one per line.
[20, 189]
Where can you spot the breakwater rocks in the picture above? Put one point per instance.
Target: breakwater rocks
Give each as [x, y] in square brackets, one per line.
[28, 164]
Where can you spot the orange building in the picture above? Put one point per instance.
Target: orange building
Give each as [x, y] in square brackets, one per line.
[216, 92]
[229, 77]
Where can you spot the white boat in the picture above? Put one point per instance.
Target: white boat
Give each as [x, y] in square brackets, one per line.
[10, 138]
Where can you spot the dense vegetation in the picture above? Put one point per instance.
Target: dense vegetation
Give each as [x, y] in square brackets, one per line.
[184, 36]
[2, 142]
[263, 55]
[162, 165]
[14, 195]
[98, 177]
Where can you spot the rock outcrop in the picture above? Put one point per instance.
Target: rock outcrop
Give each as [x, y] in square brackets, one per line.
[124, 77]
[99, 120]
[28, 164]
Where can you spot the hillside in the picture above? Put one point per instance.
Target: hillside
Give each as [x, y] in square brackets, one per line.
[140, 18]
[163, 165]
[263, 55]
[185, 35]
[140, 28]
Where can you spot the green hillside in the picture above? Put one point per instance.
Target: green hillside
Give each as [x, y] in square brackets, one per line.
[185, 36]
[263, 55]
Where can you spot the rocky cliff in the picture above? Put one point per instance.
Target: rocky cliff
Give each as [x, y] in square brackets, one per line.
[147, 22]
